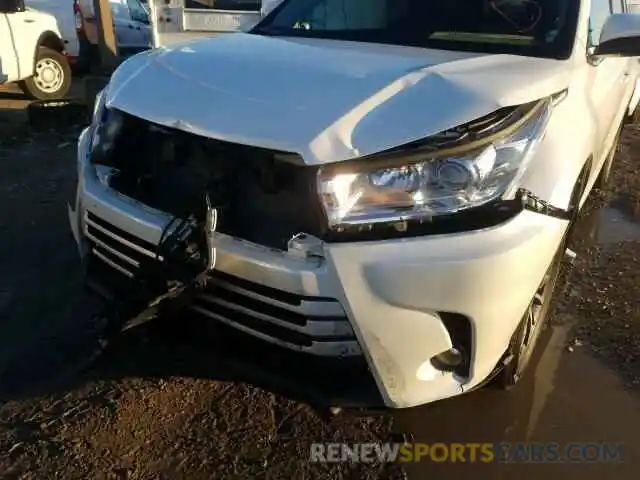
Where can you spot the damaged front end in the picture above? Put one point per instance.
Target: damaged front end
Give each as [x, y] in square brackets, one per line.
[261, 196]
[214, 193]
[283, 276]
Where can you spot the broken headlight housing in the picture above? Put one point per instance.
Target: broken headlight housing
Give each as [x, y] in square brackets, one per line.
[435, 184]
[106, 125]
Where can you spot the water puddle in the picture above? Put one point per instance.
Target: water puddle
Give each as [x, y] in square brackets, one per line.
[609, 225]
[559, 401]
[617, 226]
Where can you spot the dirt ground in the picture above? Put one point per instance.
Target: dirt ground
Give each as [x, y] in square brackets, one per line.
[160, 405]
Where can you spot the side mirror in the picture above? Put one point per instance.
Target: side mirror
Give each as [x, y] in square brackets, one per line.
[620, 36]
[11, 6]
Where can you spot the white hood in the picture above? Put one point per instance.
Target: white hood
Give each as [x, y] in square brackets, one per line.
[323, 99]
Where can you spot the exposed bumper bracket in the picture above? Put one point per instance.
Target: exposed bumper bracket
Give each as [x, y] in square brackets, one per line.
[534, 204]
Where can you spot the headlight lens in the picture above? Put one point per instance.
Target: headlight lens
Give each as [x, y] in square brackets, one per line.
[106, 124]
[435, 186]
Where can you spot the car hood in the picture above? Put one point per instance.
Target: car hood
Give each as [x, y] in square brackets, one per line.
[326, 100]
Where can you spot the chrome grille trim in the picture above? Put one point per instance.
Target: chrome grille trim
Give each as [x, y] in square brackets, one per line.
[89, 222]
[315, 325]
[113, 251]
[323, 328]
[304, 308]
[332, 349]
[111, 263]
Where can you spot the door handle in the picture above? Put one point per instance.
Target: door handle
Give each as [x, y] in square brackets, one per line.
[28, 20]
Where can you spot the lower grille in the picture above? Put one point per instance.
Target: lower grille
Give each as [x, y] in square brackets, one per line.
[313, 325]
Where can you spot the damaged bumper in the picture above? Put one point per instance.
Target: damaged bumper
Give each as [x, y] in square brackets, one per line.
[395, 304]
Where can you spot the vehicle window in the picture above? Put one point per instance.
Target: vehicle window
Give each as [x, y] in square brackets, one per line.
[138, 12]
[345, 15]
[119, 10]
[600, 11]
[527, 27]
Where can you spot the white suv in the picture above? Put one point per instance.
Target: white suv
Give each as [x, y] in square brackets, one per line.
[392, 183]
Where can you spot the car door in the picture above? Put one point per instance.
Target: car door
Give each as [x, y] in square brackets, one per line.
[140, 24]
[19, 29]
[122, 25]
[9, 71]
[609, 80]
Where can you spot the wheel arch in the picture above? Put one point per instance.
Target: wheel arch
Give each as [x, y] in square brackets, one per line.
[50, 40]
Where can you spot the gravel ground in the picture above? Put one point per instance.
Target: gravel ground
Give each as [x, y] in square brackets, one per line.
[603, 287]
[142, 412]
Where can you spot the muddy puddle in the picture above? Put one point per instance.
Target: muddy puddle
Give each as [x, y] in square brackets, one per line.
[561, 401]
[610, 225]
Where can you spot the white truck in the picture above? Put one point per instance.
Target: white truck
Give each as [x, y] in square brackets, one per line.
[175, 21]
[32, 52]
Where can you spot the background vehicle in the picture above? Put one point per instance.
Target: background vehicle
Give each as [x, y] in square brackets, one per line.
[63, 11]
[178, 20]
[131, 25]
[32, 51]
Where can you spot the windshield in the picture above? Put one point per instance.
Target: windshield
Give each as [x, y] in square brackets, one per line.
[524, 27]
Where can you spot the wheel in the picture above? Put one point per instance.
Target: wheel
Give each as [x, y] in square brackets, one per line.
[607, 166]
[52, 76]
[532, 325]
[526, 336]
[634, 118]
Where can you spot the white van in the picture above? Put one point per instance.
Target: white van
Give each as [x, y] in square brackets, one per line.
[63, 11]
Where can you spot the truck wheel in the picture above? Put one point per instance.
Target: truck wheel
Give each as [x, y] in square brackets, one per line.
[634, 118]
[534, 321]
[52, 76]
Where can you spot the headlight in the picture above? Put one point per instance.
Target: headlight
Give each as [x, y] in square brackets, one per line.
[433, 186]
[106, 124]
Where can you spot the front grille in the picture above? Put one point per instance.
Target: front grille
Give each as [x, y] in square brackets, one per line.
[263, 196]
[314, 325]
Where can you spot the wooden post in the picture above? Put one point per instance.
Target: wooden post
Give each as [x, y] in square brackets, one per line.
[106, 35]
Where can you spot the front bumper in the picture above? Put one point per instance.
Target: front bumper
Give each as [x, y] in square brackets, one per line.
[381, 301]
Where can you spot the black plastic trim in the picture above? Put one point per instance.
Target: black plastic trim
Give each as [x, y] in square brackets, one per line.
[461, 333]
[619, 47]
[486, 216]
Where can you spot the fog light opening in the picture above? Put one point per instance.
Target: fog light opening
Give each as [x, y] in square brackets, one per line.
[449, 360]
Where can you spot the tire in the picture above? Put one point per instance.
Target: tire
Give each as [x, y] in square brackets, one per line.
[605, 172]
[634, 118]
[52, 76]
[57, 114]
[525, 338]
